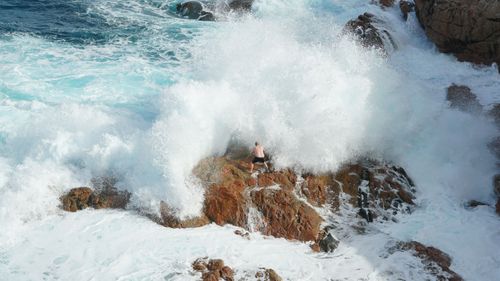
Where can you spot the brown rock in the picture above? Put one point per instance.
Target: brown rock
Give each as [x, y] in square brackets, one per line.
[83, 197]
[285, 215]
[433, 258]
[200, 264]
[369, 31]
[469, 29]
[210, 276]
[271, 275]
[170, 219]
[226, 204]
[215, 264]
[461, 97]
[406, 7]
[227, 273]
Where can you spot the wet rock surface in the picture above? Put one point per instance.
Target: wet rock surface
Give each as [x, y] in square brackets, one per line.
[462, 98]
[469, 29]
[215, 269]
[84, 197]
[435, 261]
[370, 32]
[406, 8]
[194, 10]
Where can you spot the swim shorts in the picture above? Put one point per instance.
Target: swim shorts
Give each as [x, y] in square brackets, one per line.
[258, 160]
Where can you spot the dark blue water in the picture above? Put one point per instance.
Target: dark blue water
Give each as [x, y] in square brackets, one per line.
[63, 20]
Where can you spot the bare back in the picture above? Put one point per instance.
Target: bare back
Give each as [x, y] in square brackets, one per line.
[258, 151]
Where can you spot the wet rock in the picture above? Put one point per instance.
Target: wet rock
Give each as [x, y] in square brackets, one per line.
[328, 243]
[462, 98]
[474, 203]
[370, 32]
[406, 7]
[170, 219]
[498, 207]
[386, 3]
[267, 274]
[200, 264]
[210, 276]
[243, 234]
[84, 197]
[436, 261]
[227, 273]
[469, 29]
[194, 10]
[215, 264]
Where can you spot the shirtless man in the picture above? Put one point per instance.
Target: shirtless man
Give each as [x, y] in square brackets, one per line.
[258, 153]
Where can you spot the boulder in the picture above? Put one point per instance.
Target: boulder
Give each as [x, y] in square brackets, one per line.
[462, 98]
[435, 261]
[469, 29]
[267, 274]
[370, 32]
[406, 7]
[194, 10]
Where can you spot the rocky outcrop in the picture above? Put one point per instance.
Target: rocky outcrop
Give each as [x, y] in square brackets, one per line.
[406, 8]
[386, 3]
[469, 29]
[84, 197]
[370, 32]
[462, 98]
[435, 261]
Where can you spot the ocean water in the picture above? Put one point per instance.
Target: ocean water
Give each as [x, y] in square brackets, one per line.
[129, 89]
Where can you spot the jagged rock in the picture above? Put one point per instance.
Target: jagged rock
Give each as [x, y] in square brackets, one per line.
[243, 234]
[369, 31]
[194, 10]
[84, 197]
[469, 29]
[436, 261]
[462, 98]
[406, 7]
[215, 264]
[495, 113]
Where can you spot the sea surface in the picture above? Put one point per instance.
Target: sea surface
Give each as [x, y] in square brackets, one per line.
[128, 89]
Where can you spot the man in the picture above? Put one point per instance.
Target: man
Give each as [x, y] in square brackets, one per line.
[258, 153]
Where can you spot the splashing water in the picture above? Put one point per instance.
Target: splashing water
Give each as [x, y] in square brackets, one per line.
[127, 88]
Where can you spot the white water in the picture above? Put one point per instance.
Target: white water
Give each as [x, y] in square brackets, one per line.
[284, 77]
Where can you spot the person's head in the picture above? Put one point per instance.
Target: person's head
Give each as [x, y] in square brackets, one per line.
[256, 143]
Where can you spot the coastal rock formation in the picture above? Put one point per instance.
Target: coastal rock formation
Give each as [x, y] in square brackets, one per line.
[281, 203]
[214, 270]
[435, 261]
[84, 197]
[370, 32]
[469, 29]
[462, 98]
